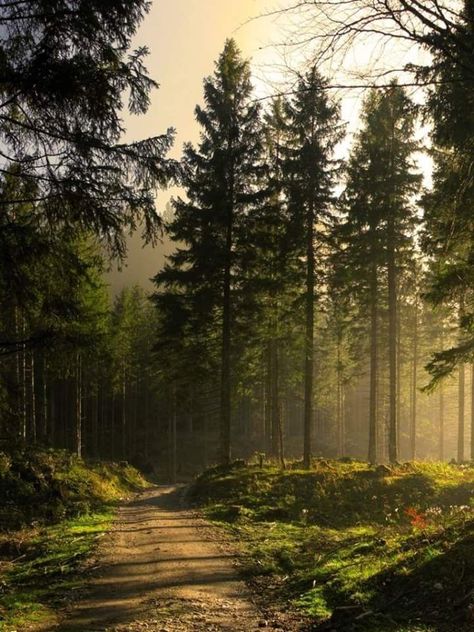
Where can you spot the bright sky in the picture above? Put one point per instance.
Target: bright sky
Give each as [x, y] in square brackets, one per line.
[185, 37]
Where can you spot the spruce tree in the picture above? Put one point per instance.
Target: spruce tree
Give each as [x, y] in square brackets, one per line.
[221, 177]
[66, 74]
[308, 171]
[381, 183]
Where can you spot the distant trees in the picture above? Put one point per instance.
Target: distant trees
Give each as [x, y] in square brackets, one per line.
[94, 390]
[70, 191]
[446, 30]
[335, 281]
[304, 296]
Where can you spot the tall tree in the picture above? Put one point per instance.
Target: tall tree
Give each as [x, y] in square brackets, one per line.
[449, 234]
[378, 229]
[65, 69]
[221, 180]
[309, 172]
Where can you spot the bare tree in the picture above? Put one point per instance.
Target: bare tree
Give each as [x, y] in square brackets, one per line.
[375, 29]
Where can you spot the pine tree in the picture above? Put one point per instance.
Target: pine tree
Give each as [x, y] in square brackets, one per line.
[221, 180]
[308, 172]
[449, 233]
[381, 182]
[273, 280]
[66, 69]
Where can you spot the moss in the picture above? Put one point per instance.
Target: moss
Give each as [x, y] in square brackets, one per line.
[72, 504]
[369, 550]
[46, 486]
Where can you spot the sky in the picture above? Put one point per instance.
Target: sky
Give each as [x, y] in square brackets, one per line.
[184, 38]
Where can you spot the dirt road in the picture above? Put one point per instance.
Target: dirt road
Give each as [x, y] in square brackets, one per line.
[163, 570]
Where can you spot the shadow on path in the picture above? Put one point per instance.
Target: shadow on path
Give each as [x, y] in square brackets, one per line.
[157, 552]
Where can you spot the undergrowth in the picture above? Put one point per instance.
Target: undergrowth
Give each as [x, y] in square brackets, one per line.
[355, 547]
[55, 509]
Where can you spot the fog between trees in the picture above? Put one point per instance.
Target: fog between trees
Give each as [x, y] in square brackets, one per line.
[308, 301]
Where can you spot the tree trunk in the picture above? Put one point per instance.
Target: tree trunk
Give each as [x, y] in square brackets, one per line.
[393, 429]
[399, 369]
[41, 396]
[23, 430]
[267, 402]
[94, 444]
[414, 387]
[51, 417]
[472, 412]
[373, 426]
[18, 387]
[172, 437]
[275, 402]
[78, 411]
[309, 341]
[461, 411]
[441, 423]
[339, 400]
[146, 414]
[123, 416]
[277, 426]
[392, 346]
[32, 398]
[225, 399]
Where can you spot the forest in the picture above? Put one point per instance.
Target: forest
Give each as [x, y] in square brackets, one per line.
[318, 303]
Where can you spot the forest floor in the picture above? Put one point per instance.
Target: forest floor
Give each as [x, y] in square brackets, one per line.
[344, 547]
[356, 548]
[55, 509]
[165, 569]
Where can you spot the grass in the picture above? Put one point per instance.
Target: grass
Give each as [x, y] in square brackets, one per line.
[35, 586]
[353, 547]
[62, 509]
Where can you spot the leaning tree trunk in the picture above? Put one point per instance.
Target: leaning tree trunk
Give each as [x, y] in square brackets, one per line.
[309, 341]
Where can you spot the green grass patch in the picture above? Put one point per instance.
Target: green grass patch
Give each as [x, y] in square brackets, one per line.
[56, 508]
[355, 547]
[34, 586]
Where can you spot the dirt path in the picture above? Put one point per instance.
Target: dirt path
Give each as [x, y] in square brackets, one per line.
[163, 570]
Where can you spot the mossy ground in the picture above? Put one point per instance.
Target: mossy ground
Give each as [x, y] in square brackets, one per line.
[55, 509]
[356, 548]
